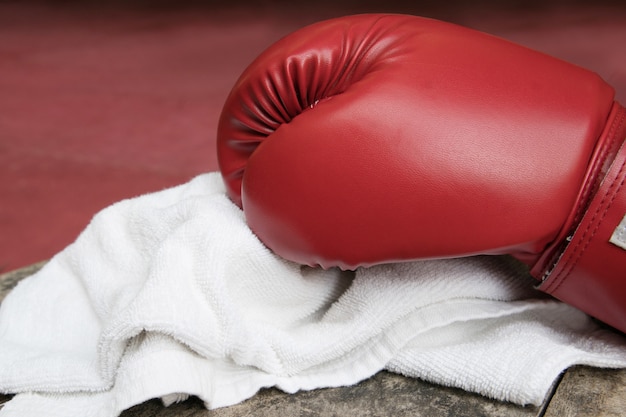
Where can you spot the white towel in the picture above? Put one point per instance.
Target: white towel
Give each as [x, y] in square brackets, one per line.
[170, 294]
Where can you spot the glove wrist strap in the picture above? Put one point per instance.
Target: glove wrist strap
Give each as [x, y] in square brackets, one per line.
[590, 274]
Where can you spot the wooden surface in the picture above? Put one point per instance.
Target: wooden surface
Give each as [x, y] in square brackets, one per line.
[583, 391]
[590, 392]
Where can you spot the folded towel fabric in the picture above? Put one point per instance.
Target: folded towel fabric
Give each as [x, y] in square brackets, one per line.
[171, 294]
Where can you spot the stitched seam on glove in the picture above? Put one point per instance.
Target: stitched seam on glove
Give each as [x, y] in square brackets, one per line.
[589, 233]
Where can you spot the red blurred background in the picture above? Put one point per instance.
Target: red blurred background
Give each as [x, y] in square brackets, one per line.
[101, 101]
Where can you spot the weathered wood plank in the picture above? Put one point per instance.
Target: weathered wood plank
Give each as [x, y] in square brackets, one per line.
[385, 394]
[590, 392]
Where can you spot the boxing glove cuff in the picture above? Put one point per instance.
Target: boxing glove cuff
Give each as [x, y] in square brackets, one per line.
[590, 273]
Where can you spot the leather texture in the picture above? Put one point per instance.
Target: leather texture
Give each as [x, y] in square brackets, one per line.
[381, 138]
[590, 274]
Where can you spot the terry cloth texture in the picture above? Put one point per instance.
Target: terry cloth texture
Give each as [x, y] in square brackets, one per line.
[170, 294]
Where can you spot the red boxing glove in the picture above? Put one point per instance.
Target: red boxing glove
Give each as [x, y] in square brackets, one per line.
[383, 138]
